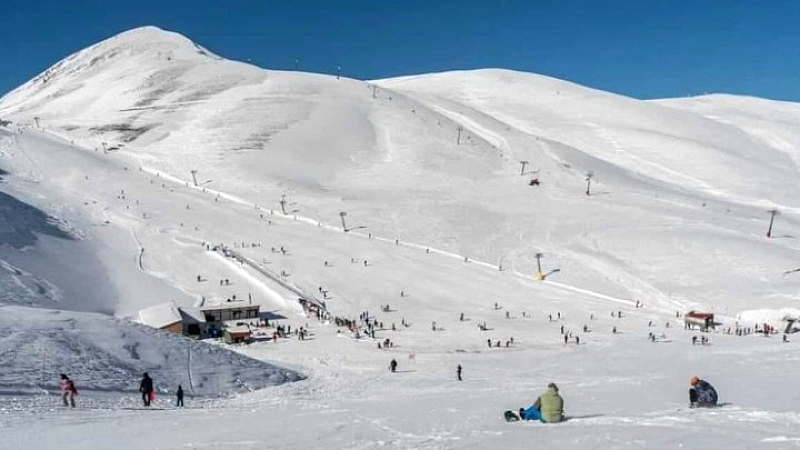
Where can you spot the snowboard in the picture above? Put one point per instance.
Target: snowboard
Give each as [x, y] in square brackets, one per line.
[511, 416]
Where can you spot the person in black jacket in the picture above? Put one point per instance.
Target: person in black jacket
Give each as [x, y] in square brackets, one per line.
[146, 388]
[702, 394]
[179, 394]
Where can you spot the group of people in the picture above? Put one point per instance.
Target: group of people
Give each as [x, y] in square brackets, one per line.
[549, 407]
[69, 391]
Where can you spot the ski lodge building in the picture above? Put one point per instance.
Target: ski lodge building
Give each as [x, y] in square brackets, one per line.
[230, 311]
[200, 323]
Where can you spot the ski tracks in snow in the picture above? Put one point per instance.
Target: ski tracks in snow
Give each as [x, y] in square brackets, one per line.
[319, 224]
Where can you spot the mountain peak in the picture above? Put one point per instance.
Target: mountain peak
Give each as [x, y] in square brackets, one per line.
[135, 54]
[148, 39]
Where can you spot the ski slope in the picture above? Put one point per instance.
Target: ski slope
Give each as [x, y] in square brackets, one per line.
[101, 214]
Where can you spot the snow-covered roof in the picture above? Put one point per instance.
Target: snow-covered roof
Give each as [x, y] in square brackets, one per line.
[238, 331]
[192, 315]
[160, 316]
[772, 316]
[230, 305]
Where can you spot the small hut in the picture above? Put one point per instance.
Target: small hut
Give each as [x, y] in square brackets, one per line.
[698, 319]
[237, 335]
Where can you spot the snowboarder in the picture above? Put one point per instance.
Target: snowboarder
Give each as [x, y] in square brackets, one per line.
[146, 388]
[549, 407]
[179, 396]
[458, 372]
[393, 366]
[68, 391]
[702, 394]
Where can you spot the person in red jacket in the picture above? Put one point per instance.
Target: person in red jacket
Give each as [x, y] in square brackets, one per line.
[68, 391]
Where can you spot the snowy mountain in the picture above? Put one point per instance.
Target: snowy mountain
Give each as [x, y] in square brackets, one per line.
[128, 162]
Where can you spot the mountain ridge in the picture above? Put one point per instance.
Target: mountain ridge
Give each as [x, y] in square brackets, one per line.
[436, 158]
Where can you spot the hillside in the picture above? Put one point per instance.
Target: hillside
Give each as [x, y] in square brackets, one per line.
[442, 231]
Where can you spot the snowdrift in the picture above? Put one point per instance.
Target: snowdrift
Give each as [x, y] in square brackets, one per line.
[102, 353]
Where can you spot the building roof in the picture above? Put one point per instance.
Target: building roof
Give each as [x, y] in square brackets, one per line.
[238, 331]
[230, 306]
[192, 315]
[160, 316]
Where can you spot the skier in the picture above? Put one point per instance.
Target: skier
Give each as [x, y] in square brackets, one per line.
[458, 372]
[702, 394]
[179, 396]
[146, 388]
[549, 407]
[393, 366]
[68, 390]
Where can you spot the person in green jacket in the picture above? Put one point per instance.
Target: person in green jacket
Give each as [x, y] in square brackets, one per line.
[549, 407]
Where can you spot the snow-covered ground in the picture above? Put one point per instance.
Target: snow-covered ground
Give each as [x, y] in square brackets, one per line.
[97, 162]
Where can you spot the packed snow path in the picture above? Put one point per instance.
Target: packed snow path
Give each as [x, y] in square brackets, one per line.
[618, 396]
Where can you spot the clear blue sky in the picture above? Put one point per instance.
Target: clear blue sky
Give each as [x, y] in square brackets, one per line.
[641, 48]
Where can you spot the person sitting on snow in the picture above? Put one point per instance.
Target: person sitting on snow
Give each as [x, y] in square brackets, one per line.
[702, 394]
[549, 407]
